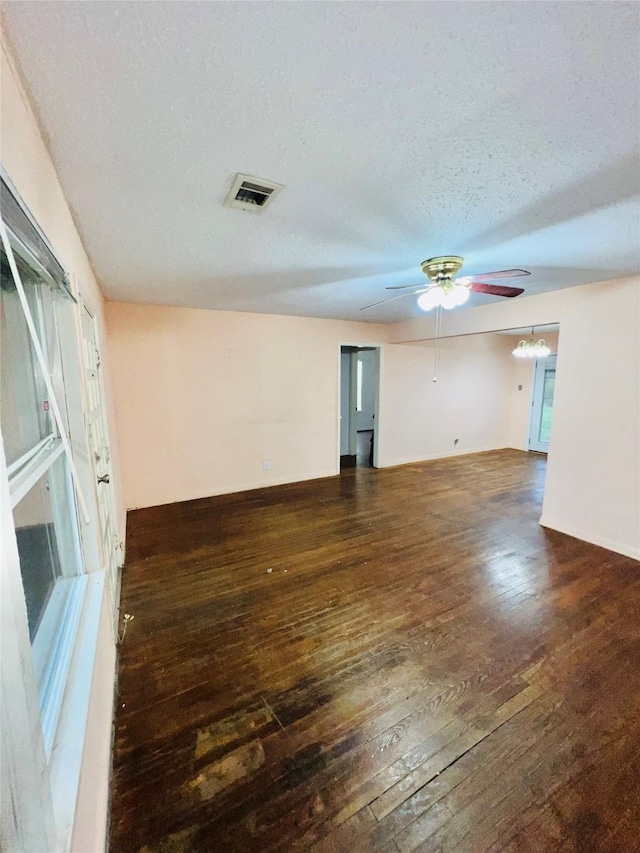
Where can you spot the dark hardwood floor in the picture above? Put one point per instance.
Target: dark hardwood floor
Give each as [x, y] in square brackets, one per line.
[423, 668]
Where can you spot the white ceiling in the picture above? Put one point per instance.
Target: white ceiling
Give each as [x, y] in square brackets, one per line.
[504, 132]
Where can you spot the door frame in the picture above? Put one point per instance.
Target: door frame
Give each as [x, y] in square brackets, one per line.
[380, 349]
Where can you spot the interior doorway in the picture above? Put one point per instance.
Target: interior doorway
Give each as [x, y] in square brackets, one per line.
[359, 392]
[544, 381]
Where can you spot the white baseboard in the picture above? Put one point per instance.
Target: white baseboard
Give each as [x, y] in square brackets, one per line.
[446, 455]
[165, 500]
[593, 539]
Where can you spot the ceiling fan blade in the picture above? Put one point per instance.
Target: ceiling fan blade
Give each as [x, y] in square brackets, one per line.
[404, 286]
[496, 289]
[489, 276]
[393, 298]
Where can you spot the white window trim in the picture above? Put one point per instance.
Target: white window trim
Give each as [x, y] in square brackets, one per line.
[58, 655]
[22, 460]
[39, 801]
[68, 744]
[37, 346]
[37, 467]
[26, 808]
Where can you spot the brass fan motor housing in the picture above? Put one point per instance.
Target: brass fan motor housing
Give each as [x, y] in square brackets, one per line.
[442, 269]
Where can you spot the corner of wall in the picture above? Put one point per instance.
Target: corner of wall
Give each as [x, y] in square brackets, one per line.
[624, 548]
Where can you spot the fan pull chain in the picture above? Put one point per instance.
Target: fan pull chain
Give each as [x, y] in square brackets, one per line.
[436, 355]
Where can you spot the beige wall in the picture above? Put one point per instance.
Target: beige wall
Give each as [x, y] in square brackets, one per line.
[420, 418]
[204, 398]
[593, 473]
[28, 165]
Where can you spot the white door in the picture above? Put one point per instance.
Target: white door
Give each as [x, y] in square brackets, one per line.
[367, 388]
[98, 437]
[542, 403]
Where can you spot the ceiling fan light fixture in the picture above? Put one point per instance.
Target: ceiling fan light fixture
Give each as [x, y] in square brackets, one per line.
[449, 292]
[431, 299]
[460, 293]
[449, 300]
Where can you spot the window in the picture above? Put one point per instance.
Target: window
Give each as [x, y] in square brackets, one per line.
[43, 500]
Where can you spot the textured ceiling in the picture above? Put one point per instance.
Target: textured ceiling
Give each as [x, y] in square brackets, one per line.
[504, 132]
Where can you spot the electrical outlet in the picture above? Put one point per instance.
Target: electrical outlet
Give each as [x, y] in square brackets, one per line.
[266, 466]
[519, 387]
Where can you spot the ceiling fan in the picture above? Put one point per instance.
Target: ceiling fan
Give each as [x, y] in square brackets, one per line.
[447, 291]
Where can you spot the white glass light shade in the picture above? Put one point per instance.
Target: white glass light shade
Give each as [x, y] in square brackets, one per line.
[449, 300]
[431, 299]
[461, 294]
[435, 296]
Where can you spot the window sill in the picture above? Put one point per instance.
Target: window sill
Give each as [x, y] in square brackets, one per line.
[69, 741]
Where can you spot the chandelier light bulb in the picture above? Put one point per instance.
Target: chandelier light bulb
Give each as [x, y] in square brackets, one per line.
[532, 349]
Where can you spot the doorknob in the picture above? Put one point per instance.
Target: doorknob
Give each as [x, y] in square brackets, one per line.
[104, 478]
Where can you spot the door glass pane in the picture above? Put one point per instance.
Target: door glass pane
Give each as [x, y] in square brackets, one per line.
[23, 395]
[547, 405]
[44, 520]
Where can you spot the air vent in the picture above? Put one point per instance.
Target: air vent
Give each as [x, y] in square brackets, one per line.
[252, 194]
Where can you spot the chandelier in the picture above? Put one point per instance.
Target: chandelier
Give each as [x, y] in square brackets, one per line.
[532, 348]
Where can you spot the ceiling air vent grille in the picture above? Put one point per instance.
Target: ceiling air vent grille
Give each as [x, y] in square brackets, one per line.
[252, 194]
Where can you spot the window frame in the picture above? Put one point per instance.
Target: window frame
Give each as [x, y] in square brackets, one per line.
[55, 638]
[38, 809]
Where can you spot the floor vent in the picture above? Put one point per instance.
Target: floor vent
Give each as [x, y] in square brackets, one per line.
[252, 194]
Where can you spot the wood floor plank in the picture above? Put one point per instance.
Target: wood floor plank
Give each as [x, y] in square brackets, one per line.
[423, 668]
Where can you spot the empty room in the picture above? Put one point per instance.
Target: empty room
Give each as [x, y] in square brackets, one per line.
[320, 427]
